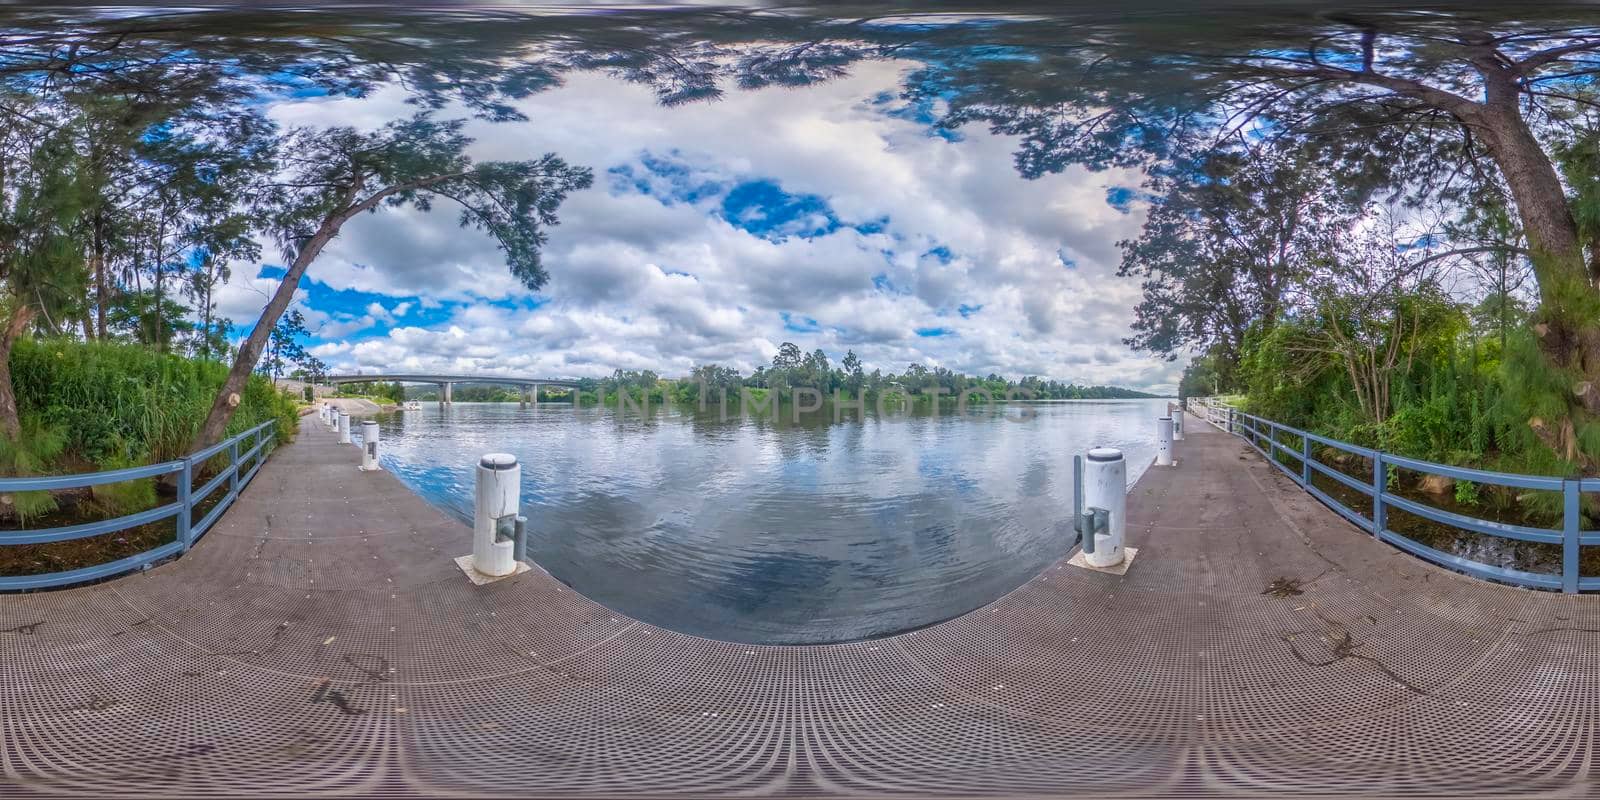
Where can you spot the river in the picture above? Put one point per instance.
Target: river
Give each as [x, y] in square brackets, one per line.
[758, 531]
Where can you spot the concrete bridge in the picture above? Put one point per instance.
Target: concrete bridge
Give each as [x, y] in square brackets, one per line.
[447, 382]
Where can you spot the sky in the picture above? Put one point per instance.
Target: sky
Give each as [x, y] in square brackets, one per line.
[834, 216]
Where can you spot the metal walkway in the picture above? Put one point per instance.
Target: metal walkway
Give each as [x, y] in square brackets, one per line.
[319, 641]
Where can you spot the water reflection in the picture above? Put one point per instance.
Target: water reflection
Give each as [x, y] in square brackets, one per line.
[763, 531]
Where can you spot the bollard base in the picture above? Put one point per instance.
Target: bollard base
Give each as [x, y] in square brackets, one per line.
[373, 468]
[1080, 559]
[480, 579]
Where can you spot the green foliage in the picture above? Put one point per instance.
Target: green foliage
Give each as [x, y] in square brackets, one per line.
[137, 317]
[120, 404]
[414, 162]
[1461, 400]
[283, 344]
[124, 497]
[394, 392]
[35, 452]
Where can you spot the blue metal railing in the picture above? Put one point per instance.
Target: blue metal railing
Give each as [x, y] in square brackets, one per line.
[1263, 435]
[261, 437]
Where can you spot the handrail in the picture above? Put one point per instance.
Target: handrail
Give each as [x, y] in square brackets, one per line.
[262, 437]
[1256, 431]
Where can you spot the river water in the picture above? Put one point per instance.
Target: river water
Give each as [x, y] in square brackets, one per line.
[758, 531]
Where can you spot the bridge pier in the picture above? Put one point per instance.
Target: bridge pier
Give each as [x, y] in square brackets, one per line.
[444, 397]
[536, 395]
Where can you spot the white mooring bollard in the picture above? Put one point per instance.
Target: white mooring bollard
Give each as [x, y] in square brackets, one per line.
[494, 518]
[369, 446]
[1164, 442]
[344, 428]
[1105, 485]
[1177, 423]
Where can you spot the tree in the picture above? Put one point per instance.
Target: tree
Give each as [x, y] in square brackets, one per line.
[41, 268]
[211, 334]
[284, 346]
[817, 371]
[316, 369]
[785, 366]
[135, 315]
[337, 173]
[854, 380]
[1500, 267]
[1371, 314]
[1434, 105]
[1230, 237]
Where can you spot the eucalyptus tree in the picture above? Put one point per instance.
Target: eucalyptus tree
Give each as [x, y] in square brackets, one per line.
[330, 176]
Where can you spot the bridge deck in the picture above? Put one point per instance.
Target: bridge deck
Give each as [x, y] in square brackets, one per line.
[320, 641]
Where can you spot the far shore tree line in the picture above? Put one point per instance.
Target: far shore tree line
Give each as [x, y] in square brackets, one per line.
[793, 369]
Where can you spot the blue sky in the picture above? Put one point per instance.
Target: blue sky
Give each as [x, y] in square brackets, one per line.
[833, 217]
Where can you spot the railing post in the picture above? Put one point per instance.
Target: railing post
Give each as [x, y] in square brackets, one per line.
[233, 460]
[1380, 479]
[1570, 519]
[185, 486]
[1305, 459]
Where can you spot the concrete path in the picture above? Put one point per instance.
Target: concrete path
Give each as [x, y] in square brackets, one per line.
[320, 641]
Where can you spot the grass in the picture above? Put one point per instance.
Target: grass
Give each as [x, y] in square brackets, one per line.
[96, 406]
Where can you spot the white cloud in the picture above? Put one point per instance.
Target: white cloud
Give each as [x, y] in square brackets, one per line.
[638, 283]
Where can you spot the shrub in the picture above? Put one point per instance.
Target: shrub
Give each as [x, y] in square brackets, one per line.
[124, 404]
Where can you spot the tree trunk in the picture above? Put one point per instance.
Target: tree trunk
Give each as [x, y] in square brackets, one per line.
[1540, 199]
[161, 346]
[1567, 324]
[10, 419]
[102, 296]
[244, 362]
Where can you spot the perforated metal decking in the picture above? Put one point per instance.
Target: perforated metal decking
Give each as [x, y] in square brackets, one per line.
[320, 641]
